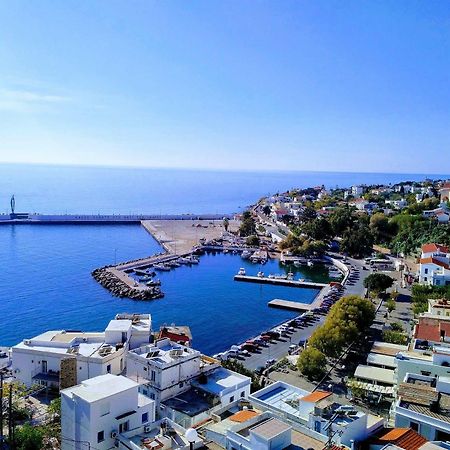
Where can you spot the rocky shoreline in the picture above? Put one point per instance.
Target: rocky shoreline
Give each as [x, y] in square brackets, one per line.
[118, 288]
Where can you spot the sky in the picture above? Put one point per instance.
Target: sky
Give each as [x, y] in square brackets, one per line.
[235, 84]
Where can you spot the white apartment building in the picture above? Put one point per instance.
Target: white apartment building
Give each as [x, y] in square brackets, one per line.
[184, 383]
[96, 412]
[60, 359]
[423, 404]
[439, 307]
[434, 266]
[357, 191]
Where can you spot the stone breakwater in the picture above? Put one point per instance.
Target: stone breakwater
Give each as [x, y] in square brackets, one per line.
[110, 279]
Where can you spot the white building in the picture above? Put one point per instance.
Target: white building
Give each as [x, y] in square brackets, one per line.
[184, 383]
[95, 412]
[434, 266]
[439, 307]
[423, 404]
[397, 204]
[61, 359]
[316, 414]
[357, 191]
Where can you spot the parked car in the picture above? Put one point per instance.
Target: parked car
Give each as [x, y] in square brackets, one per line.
[270, 362]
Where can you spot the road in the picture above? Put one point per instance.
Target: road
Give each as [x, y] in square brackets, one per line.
[278, 349]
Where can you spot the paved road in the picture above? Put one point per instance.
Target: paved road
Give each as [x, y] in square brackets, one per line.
[278, 349]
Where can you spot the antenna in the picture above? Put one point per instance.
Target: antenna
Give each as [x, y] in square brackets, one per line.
[13, 204]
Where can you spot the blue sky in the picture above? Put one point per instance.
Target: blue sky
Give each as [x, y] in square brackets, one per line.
[308, 85]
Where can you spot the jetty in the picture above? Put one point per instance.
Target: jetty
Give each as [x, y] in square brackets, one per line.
[280, 282]
[94, 219]
[288, 304]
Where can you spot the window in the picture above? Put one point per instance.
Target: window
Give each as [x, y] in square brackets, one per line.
[426, 270]
[123, 427]
[153, 375]
[100, 436]
[145, 417]
[232, 399]
[108, 368]
[144, 391]
[425, 279]
[317, 426]
[242, 394]
[414, 426]
[152, 396]
[425, 373]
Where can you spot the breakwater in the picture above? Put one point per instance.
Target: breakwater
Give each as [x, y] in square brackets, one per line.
[95, 219]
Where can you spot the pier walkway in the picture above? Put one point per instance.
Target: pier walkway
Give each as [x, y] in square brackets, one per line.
[280, 282]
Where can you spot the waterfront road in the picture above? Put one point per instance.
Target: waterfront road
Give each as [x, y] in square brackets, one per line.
[278, 349]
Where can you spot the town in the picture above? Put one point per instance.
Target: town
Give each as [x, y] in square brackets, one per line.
[367, 366]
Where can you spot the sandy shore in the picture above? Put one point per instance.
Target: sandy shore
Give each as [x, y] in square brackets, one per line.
[179, 236]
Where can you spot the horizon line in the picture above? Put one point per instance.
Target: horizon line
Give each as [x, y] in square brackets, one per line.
[205, 169]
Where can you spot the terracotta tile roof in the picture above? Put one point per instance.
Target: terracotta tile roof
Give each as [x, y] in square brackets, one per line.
[434, 261]
[315, 397]
[402, 437]
[243, 416]
[429, 248]
[431, 329]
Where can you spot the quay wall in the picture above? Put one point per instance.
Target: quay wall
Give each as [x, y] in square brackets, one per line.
[26, 218]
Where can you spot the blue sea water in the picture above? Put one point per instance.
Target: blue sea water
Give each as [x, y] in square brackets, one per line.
[47, 285]
[45, 270]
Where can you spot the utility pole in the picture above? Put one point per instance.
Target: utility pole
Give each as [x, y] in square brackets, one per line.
[10, 416]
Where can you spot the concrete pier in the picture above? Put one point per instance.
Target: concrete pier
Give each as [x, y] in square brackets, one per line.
[287, 304]
[280, 282]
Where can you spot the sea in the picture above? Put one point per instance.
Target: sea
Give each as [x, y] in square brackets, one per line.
[46, 281]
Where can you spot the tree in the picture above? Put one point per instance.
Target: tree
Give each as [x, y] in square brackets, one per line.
[390, 305]
[357, 242]
[378, 282]
[252, 241]
[248, 226]
[308, 213]
[312, 363]
[394, 337]
[266, 210]
[226, 223]
[318, 229]
[380, 228]
[28, 438]
[341, 219]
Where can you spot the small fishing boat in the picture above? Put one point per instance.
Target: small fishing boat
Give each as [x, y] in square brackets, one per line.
[246, 254]
[261, 274]
[161, 267]
[310, 263]
[153, 283]
[241, 271]
[172, 264]
[290, 276]
[192, 259]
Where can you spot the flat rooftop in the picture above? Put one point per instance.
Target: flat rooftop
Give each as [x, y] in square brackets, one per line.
[377, 374]
[100, 387]
[190, 402]
[220, 380]
[165, 352]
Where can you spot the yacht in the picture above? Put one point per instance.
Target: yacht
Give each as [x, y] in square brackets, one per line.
[246, 254]
[241, 271]
[161, 267]
[310, 263]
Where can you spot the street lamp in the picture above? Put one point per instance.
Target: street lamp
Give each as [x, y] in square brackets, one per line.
[191, 435]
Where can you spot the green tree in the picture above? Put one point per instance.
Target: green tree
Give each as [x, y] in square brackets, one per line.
[380, 228]
[28, 438]
[248, 226]
[378, 282]
[318, 229]
[266, 210]
[312, 363]
[252, 241]
[226, 223]
[394, 337]
[341, 220]
[357, 242]
[390, 305]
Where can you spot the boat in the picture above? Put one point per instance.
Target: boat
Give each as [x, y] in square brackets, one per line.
[183, 261]
[140, 272]
[161, 267]
[246, 254]
[261, 274]
[290, 276]
[144, 279]
[271, 276]
[192, 259]
[173, 264]
[153, 283]
[241, 271]
[310, 263]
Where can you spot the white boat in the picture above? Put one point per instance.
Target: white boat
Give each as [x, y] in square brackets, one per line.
[161, 267]
[290, 276]
[183, 261]
[241, 271]
[261, 274]
[310, 263]
[192, 259]
[246, 254]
